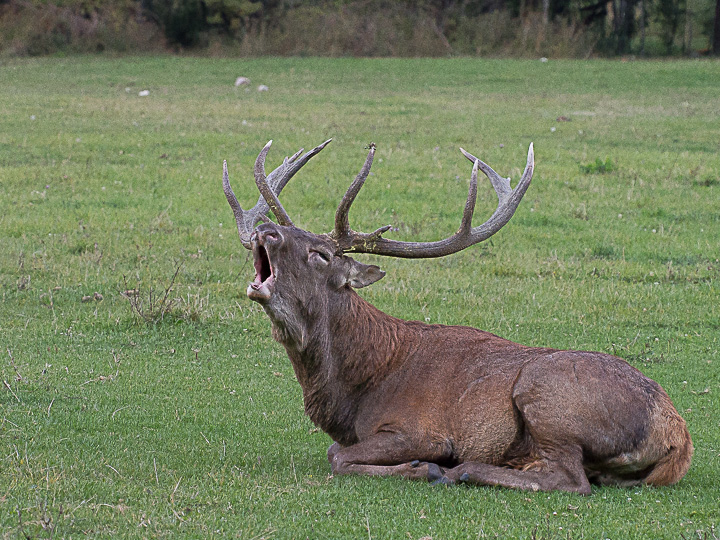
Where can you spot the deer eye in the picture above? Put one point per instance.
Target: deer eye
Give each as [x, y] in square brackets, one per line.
[320, 256]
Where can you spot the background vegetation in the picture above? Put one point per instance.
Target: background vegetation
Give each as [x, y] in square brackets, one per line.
[524, 28]
[126, 415]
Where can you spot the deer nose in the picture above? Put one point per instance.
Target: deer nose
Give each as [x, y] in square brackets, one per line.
[267, 233]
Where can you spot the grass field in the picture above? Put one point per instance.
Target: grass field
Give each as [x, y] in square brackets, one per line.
[192, 425]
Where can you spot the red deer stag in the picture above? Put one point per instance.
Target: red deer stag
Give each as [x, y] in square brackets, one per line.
[446, 403]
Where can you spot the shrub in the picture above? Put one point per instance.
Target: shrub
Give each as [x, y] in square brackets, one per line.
[598, 166]
[181, 20]
[37, 28]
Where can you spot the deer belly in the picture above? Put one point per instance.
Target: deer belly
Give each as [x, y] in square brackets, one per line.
[485, 422]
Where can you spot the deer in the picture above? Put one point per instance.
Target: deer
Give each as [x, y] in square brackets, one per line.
[448, 404]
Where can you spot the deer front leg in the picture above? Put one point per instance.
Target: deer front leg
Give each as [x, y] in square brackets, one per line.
[387, 454]
[564, 473]
[334, 449]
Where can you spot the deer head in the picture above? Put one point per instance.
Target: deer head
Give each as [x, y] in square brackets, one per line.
[296, 269]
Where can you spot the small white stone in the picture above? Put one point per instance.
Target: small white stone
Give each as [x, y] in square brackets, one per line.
[263, 88]
[241, 81]
[143, 93]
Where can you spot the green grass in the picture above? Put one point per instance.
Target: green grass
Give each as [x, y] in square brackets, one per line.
[110, 427]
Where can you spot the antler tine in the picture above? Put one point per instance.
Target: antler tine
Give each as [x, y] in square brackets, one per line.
[466, 236]
[286, 171]
[277, 180]
[295, 155]
[508, 201]
[265, 189]
[500, 184]
[342, 222]
[466, 223]
[238, 212]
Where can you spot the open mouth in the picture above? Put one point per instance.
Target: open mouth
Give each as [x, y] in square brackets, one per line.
[261, 288]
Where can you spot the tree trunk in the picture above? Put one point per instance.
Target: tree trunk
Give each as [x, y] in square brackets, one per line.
[624, 25]
[716, 30]
[642, 27]
[687, 41]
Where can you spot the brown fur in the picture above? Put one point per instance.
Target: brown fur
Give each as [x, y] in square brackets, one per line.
[453, 403]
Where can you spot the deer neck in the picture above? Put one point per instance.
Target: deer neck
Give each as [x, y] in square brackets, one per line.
[343, 349]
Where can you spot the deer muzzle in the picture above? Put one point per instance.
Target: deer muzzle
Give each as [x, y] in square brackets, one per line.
[260, 290]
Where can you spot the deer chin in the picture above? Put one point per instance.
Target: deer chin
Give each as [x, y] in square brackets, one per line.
[261, 289]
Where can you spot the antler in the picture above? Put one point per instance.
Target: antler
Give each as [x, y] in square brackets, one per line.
[467, 235]
[270, 186]
[351, 241]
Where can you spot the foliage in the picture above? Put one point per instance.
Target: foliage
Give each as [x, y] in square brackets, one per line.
[551, 28]
[150, 305]
[598, 166]
[181, 20]
[194, 427]
[670, 14]
[40, 28]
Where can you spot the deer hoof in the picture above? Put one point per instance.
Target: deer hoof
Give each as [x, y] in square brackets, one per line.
[442, 481]
[434, 473]
[464, 478]
[414, 464]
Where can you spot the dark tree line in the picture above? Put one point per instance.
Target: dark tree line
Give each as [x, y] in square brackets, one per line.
[616, 22]
[364, 27]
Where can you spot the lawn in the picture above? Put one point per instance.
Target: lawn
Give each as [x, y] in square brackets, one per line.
[190, 423]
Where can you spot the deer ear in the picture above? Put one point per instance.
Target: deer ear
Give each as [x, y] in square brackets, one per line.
[360, 275]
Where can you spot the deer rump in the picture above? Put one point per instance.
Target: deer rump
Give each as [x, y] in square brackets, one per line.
[445, 403]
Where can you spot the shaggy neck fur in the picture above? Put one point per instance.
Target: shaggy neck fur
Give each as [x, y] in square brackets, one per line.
[338, 347]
